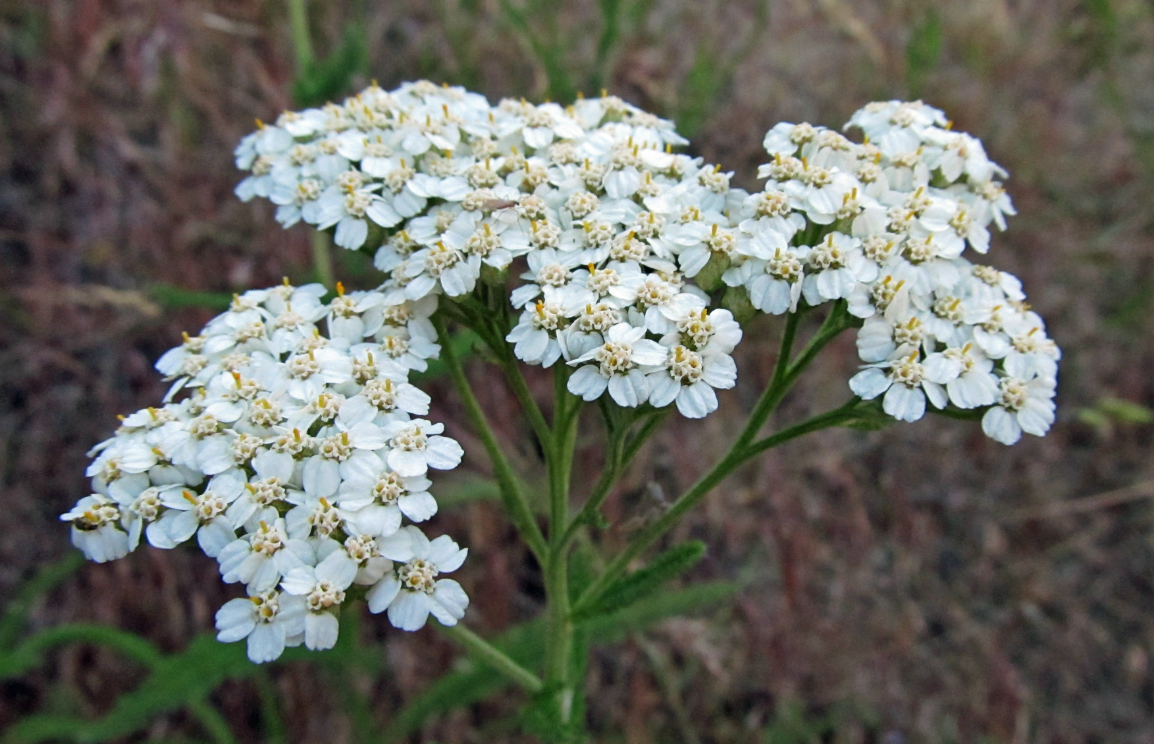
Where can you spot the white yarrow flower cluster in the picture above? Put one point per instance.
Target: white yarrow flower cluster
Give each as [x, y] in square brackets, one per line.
[613, 224]
[294, 459]
[291, 444]
[883, 226]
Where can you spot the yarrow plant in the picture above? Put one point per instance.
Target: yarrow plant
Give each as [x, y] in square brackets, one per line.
[293, 447]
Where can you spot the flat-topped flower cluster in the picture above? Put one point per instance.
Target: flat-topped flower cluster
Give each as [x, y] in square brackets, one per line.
[291, 444]
[883, 225]
[613, 224]
[629, 247]
[293, 461]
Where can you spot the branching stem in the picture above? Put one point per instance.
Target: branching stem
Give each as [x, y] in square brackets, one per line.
[511, 494]
[745, 447]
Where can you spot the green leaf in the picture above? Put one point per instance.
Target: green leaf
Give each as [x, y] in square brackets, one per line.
[29, 653]
[326, 79]
[923, 50]
[644, 582]
[616, 626]
[1126, 411]
[176, 297]
[177, 681]
[471, 682]
[16, 613]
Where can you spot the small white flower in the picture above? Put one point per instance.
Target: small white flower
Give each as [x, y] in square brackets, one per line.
[188, 513]
[833, 268]
[96, 529]
[536, 337]
[261, 558]
[412, 591]
[689, 378]
[374, 501]
[416, 446]
[323, 589]
[270, 621]
[382, 400]
[975, 385]
[620, 364]
[1023, 405]
[906, 383]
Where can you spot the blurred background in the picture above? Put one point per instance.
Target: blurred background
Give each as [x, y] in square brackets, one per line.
[917, 584]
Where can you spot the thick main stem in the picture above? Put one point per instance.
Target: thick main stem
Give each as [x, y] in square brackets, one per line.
[559, 639]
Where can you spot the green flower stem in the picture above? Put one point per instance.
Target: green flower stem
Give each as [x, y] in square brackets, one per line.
[559, 635]
[560, 469]
[322, 257]
[481, 321]
[621, 451]
[516, 380]
[744, 448]
[299, 24]
[776, 390]
[838, 416]
[610, 471]
[492, 657]
[559, 638]
[511, 494]
[634, 445]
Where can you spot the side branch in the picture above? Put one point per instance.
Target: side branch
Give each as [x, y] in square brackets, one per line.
[785, 374]
[494, 336]
[514, 500]
[493, 657]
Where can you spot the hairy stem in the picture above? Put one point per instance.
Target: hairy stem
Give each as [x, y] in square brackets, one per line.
[492, 657]
[620, 452]
[634, 445]
[777, 387]
[483, 322]
[511, 494]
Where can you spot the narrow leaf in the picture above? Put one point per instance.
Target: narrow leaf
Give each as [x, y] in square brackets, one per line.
[644, 582]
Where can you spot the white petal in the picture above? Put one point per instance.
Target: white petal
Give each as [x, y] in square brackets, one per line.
[869, 383]
[1000, 425]
[407, 463]
[266, 642]
[383, 594]
[417, 506]
[321, 629]
[904, 403]
[235, 620]
[697, 400]
[449, 602]
[410, 610]
[214, 535]
[443, 453]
